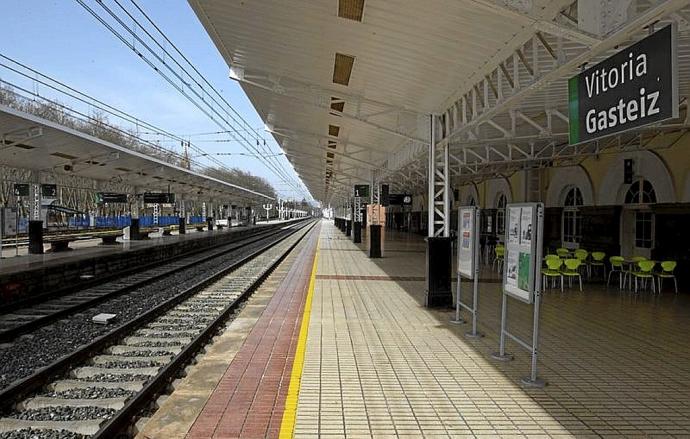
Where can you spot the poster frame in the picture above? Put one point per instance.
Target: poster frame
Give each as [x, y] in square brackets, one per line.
[516, 248]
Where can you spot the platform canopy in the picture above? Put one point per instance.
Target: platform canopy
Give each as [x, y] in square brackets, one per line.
[347, 86]
[30, 142]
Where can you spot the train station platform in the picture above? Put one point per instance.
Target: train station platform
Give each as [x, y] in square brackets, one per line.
[29, 273]
[377, 363]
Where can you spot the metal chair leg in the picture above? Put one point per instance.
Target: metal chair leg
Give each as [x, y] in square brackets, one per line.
[580, 279]
[675, 284]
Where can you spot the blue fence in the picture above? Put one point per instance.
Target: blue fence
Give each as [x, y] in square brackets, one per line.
[116, 222]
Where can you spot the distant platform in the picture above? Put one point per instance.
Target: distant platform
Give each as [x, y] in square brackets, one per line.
[31, 273]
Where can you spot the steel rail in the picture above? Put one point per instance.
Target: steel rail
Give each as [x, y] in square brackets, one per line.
[12, 333]
[37, 298]
[124, 417]
[18, 390]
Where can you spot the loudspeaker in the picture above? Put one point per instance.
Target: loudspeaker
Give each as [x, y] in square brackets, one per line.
[628, 171]
[385, 201]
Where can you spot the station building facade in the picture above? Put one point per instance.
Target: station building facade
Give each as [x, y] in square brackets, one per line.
[590, 204]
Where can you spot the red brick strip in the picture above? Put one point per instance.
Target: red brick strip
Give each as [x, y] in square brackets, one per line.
[250, 398]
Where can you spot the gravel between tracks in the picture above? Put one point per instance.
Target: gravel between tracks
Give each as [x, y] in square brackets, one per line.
[27, 433]
[63, 413]
[40, 348]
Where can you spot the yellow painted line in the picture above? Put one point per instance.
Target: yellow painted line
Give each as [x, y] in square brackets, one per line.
[287, 426]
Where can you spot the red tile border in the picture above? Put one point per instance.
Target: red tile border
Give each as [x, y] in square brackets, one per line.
[250, 398]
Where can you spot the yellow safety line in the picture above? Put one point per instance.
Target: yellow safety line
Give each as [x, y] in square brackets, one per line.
[287, 426]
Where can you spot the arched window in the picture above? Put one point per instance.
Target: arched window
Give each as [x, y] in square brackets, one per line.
[571, 219]
[501, 202]
[644, 196]
[642, 192]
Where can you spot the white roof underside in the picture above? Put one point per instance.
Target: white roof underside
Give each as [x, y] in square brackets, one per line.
[52, 146]
[412, 58]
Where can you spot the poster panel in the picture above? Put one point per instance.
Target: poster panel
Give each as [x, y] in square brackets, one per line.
[520, 254]
[466, 241]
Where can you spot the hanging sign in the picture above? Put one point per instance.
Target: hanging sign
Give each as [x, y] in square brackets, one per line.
[467, 240]
[521, 265]
[400, 199]
[21, 190]
[635, 87]
[110, 197]
[159, 198]
[49, 190]
[362, 190]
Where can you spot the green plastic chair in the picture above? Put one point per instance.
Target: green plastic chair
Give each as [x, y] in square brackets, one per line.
[562, 252]
[667, 268]
[571, 270]
[643, 273]
[597, 262]
[552, 270]
[500, 255]
[617, 267]
[582, 255]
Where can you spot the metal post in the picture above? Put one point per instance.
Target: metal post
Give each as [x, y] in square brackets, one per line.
[501, 355]
[533, 380]
[458, 318]
[438, 253]
[475, 292]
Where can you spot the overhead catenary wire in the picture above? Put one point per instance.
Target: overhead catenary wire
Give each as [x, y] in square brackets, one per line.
[37, 78]
[203, 78]
[166, 77]
[205, 106]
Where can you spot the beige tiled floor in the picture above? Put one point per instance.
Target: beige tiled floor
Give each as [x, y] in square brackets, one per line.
[379, 364]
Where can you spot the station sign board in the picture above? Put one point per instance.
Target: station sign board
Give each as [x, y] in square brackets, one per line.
[21, 190]
[159, 198]
[635, 87]
[400, 199]
[110, 197]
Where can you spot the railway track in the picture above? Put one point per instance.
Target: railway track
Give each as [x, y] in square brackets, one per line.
[107, 383]
[29, 318]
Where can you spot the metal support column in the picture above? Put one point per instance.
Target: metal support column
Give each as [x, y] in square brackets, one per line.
[438, 251]
[357, 226]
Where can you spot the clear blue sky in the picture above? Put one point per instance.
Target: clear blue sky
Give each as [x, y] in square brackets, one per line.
[59, 38]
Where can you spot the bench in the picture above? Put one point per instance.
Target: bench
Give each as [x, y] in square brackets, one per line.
[108, 238]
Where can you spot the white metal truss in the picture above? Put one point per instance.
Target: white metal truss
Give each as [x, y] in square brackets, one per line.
[358, 209]
[438, 182]
[519, 76]
[501, 122]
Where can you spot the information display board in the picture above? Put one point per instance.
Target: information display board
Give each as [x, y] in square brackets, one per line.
[400, 199]
[22, 189]
[110, 197]
[362, 190]
[159, 198]
[521, 264]
[8, 218]
[467, 239]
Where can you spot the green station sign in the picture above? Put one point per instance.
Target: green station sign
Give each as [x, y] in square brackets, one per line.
[635, 87]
